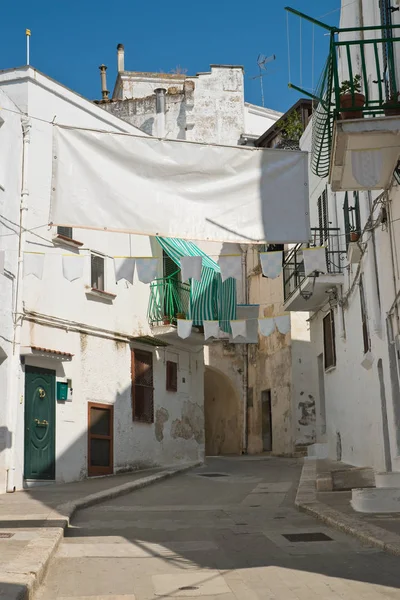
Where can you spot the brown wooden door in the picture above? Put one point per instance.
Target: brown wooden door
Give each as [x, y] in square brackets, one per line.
[100, 439]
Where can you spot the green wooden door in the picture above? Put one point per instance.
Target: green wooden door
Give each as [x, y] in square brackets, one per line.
[40, 413]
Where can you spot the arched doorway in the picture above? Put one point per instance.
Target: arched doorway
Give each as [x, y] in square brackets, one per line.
[222, 414]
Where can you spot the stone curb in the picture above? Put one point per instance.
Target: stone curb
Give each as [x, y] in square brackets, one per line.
[306, 501]
[22, 577]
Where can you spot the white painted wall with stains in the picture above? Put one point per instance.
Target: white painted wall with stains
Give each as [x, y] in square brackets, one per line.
[62, 315]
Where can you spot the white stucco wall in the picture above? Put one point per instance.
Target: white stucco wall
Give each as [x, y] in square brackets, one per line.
[101, 365]
[10, 190]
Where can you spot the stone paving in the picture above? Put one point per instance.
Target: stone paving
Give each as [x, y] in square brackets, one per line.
[216, 533]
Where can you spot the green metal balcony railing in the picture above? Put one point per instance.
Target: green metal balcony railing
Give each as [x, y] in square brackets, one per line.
[362, 66]
[293, 267]
[169, 300]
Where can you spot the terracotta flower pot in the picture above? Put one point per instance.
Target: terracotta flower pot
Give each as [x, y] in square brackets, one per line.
[395, 107]
[346, 101]
[167, 321]
[354, 236]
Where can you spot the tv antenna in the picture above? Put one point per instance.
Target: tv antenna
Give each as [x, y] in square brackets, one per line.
[262, 61]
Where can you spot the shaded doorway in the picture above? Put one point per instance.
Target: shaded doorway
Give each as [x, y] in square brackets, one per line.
[223, 434]
[100, 439]
[266, 417]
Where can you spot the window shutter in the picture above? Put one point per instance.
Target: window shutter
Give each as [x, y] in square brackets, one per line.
[329, 340]
[346, 217]
[142, 386]
[172, 376]
[97, 272]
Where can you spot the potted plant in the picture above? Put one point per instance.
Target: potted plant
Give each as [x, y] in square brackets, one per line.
[166, 320]
[391, 108]
[351, 97]
[354, 236]
[181, 316]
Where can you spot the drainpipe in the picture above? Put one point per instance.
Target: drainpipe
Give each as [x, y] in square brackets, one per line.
[15, 371]
[160, 112]
[245, 292]
[373, 267]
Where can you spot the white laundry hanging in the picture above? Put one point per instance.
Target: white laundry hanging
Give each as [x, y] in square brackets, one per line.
[72, 266]
[271, 263]
[314, 260]
[211, 329]
[231, 266]
[146, 269]
[239, 328]
[266, 326]
[283, 324]
[33, 264]
[124, 268]
[191, 267]
[184, 328]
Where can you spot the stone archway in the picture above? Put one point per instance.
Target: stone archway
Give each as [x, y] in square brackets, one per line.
[223, 433]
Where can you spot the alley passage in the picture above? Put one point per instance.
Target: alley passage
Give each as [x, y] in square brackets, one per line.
[225, 531]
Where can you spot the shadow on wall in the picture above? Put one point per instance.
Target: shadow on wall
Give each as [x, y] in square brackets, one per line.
[222, 413]
[5, 439]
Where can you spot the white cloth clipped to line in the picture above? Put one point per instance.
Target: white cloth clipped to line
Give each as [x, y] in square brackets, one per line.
[283, 324]
[124, 268]
[33, 264]
[191, 267]
[267, 326]
[146, 269]
[211, 329]
[72, 266]
[239, 328]
[271, 263]
[231, 266]
[314, 260]
[184, 328]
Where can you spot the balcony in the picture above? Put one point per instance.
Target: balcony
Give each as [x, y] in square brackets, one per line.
[356, 118]
[170, 301]
[309, 293]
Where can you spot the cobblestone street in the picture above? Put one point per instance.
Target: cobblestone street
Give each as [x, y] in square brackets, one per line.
[227, 531]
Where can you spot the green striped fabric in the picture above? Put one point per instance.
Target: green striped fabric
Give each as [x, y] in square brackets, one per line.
[211, 299]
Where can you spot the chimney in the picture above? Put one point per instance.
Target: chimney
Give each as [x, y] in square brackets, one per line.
[121, 58]
[160, 112]
[103, 76]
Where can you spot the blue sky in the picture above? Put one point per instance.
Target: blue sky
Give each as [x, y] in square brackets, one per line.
[70, 39]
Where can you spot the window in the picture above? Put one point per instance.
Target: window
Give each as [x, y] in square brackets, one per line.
[172, 376]
[97, 272]
[65, 232]
[329, 340]
[364, 317]
[142, 386]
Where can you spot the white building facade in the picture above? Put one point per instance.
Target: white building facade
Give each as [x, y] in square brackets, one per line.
[86, 388]
[355, 212]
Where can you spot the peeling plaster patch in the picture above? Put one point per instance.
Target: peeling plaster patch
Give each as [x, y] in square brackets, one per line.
[307, 408]
[191, 425]
[162, 416]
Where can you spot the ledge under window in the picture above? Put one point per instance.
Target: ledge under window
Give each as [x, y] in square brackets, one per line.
[101, 294]
[62, 239]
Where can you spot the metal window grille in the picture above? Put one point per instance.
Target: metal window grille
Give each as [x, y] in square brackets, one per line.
[97, 272]
[65, 232]
[142, 386]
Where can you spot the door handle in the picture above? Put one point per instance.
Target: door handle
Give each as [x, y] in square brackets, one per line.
[43, 423]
